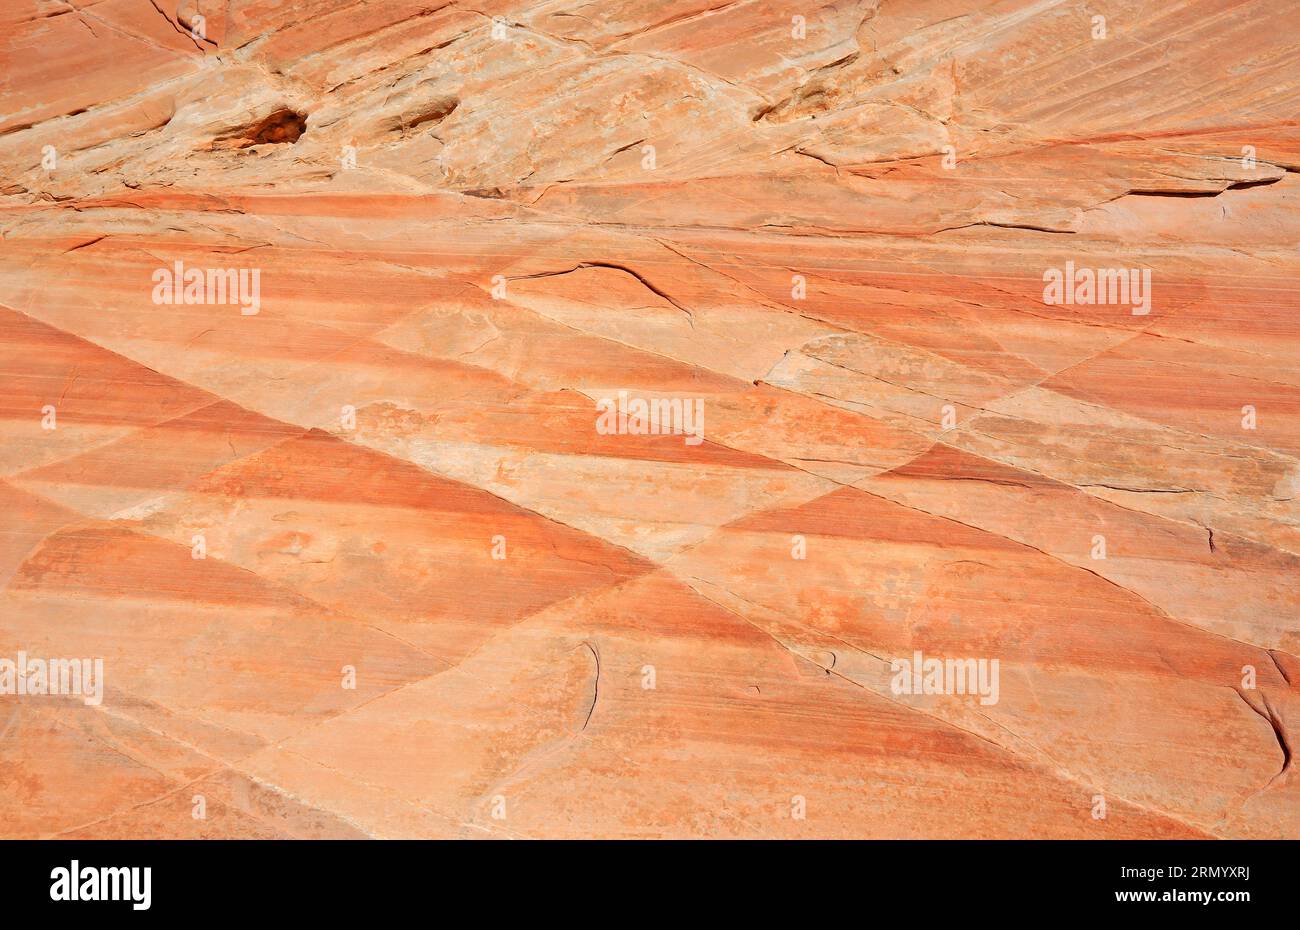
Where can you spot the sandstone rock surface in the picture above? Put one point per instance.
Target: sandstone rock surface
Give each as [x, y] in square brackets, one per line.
[828, 225]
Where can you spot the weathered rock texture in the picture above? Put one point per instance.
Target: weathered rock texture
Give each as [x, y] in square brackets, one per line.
[833, 232]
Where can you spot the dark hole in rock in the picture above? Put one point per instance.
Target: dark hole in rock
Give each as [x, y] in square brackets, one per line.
[281, 126]
[435, 112]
